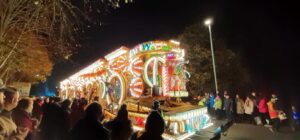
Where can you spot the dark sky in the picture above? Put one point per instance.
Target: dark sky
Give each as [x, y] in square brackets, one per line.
[263, 32]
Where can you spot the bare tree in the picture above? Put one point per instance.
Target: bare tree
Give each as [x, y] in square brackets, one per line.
[52, 24]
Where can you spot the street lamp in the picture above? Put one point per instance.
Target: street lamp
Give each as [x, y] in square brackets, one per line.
[208, 23]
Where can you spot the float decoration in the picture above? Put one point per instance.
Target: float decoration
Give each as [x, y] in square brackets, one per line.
[153, 70]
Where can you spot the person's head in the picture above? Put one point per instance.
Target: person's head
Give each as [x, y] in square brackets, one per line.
[83, 101]
[199, 97]
[11, 98]
[155, 124]
[225, 92]
[274, 95]
[156, 104]
[293, 108]
[253, 94]
[96, 99]
[273, 100]
[248, 98]
[237, 96]
[122, 113]
[25, 104]
[47, 100]
[226, 96]
[94, 112]
[66, 104]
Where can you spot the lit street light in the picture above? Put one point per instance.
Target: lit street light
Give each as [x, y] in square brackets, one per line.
[208, 23]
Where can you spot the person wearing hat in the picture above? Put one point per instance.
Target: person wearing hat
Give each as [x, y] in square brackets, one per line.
[274, 114]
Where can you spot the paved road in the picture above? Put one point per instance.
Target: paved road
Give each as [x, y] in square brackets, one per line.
[248, 132]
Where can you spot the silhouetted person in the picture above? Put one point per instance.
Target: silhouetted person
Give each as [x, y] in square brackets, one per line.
[54, 124]
[228, 107]
[66, 106]
[156, 107]
[120, 127]
[22, 118]
[37, 111]
[154, 128]
[90, 127]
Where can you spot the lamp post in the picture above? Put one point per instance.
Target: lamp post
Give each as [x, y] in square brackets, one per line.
[208, 23]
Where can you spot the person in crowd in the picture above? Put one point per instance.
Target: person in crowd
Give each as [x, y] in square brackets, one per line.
[239, 108]
[120, 127]
[37, 111]
[8, 129]
[249, 108]
[90, 127]
[228, 107]
[273, 113]
[207, 99]
[156, 107]
[211, 103]
[22, 118]
[254, 98]
[66, 106]
[278, 103]
[202, 100]
[2, 97]
[54, 124]
[263, 110]
[78, 108]
[217, 106]
[295, 120]
[154, 128]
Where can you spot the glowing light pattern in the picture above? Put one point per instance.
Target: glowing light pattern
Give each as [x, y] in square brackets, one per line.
[136, 67]
[165, 80]
[103, 87]
[136, 87]
[134, 63]
[116, 53]
[154, 70]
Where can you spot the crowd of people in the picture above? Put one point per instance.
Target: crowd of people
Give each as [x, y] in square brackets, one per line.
[76, 119]
[259, 110]
[79, 119]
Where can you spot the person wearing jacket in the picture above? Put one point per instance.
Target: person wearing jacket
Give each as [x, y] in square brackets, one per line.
[295, 120]
[218, 106]
[202, 101]
[249, 108]
[273, 113]
[228, 107]
[239, 108]
[211, 103]
[263, 110]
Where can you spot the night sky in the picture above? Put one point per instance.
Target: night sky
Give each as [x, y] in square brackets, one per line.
[263, 33]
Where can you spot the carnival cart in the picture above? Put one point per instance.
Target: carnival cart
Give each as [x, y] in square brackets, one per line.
[153, 70]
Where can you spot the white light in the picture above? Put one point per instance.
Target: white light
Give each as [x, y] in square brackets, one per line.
[175, 42]
[208, 125]
[36, 2]
[208, 22]
[146, 78]
[116, 53]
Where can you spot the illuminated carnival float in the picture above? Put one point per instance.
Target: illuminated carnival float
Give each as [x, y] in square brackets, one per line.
[150, 71]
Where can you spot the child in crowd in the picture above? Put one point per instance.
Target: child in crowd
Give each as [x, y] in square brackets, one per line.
[295, 120]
